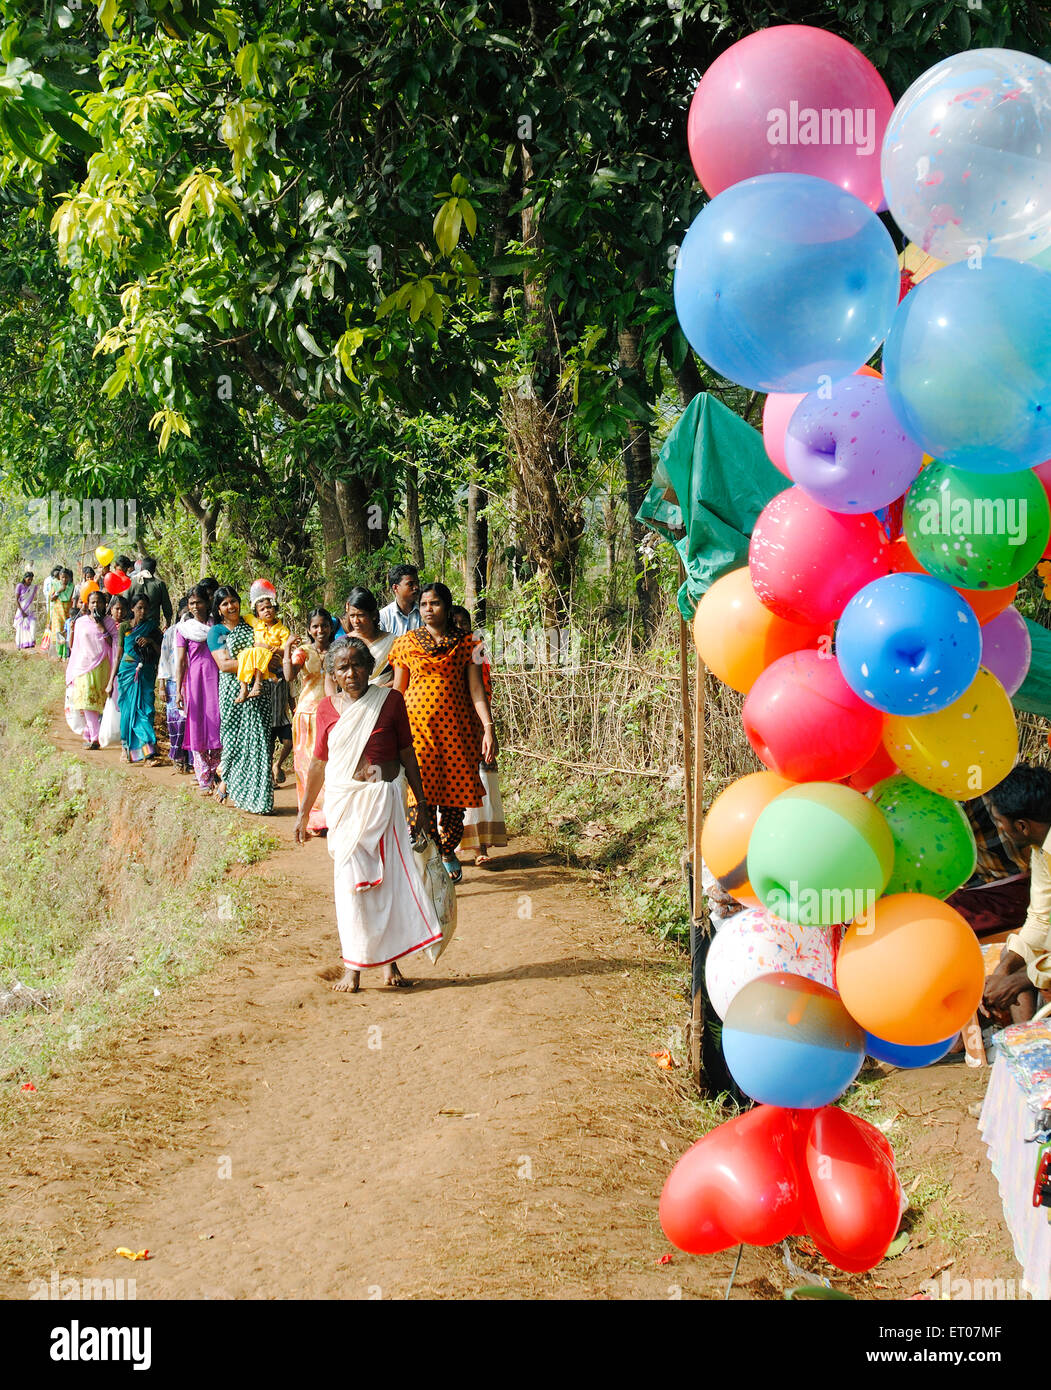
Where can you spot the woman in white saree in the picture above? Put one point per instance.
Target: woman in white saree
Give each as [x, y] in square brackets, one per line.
[363, 744]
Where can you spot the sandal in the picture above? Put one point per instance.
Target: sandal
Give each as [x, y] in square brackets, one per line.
[453, 868]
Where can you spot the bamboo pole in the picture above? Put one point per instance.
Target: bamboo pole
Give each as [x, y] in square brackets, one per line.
[697, 1027]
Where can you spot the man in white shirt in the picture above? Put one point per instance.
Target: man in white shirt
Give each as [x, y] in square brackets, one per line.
[1021, 807]
[403, 614]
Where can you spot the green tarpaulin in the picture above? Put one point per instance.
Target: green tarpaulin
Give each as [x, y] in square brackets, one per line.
[711, 482]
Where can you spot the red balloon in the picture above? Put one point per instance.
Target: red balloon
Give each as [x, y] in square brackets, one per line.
[805, 723]
[849, 1192]
[807, 563]
[111, 582]
[878, 767]
[1043, 472]
[736, 1184]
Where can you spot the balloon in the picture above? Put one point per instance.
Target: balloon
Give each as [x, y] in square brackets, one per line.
[736, 1184]
[850, 1196]
[778, 410]
[908, 644]
[985, 603]
[880, 766]
[807, 563]
[728, 826]
[845, 448]
[976, 530]
[963, 750]
[754, 943]
[1043, 472]
[907, 1057]
[967, 364]
[967, 156]
[790, 1042]
[116, 582]
[103, 555]
[1007, 649]
[914, 973]
[820, 854]
[783, 280]
[790, 99]
[804, 721]
[737, 637]
[934, 849]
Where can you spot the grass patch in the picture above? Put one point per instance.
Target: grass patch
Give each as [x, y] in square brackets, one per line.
[115, 891]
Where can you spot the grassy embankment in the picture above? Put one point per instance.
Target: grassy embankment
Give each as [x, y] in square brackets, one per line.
[114, 891]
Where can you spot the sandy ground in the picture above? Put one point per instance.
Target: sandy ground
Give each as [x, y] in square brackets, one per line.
[500, 1130]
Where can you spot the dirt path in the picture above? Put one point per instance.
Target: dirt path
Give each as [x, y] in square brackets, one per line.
[478, 1134]
[500, 1130]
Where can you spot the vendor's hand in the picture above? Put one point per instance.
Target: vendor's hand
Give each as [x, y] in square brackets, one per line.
[1002, 990]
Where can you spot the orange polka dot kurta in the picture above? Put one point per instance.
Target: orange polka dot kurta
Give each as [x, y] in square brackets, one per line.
[445, 730]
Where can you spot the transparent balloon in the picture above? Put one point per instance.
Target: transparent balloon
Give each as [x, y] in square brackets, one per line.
[967, 156]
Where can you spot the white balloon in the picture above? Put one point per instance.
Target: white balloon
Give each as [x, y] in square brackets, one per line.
[755, 942]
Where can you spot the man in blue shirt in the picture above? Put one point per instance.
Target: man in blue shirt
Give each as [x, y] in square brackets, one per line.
[403, 614]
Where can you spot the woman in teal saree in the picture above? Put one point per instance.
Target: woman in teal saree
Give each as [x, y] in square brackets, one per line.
[136, 678]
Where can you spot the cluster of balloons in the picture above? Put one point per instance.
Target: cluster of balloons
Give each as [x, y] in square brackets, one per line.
[872, 632]
[116, 581]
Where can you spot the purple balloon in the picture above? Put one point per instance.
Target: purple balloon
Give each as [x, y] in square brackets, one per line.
[1007, 649]
[846, 450]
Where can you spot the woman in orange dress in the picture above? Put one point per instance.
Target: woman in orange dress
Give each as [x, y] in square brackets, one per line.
[436, 669]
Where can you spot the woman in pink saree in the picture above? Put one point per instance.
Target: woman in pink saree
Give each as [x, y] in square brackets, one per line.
[91, 662]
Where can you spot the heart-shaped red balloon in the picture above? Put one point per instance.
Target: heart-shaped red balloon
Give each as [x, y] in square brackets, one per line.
[848, 1189]
[736, 1184]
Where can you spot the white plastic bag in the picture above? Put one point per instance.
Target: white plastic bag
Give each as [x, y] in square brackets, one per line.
[442, 894]
[109, 726]
[74, 717]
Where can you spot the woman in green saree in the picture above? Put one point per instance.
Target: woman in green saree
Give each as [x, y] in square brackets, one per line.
[136, 677]
[244, 728]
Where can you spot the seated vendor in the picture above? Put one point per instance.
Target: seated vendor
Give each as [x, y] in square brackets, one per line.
[995, 899]
[1021, 807]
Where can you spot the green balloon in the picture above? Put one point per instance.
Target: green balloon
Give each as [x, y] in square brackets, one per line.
[976, 530]
[934, 849]
[820, 854]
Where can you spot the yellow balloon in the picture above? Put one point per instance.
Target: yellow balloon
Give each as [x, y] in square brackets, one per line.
[103, 555]
[960, 751]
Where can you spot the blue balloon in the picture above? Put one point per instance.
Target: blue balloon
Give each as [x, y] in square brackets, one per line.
[898, 1055]
[908, 644]
[967, 365]
[789, 1041]
[784, 280]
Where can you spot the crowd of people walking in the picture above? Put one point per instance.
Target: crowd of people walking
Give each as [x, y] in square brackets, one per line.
[386, 714]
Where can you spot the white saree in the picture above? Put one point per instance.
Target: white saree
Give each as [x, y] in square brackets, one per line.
[383, 910]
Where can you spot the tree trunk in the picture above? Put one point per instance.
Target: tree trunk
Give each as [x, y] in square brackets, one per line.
[412, 515]
[477, 554]
[609, 518]
[638, 471]
[207, 515]
[364, 522]
[333, 537]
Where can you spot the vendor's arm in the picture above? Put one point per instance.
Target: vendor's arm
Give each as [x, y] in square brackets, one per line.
[1032, 944]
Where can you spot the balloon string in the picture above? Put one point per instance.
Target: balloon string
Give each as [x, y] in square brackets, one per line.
[733, 1276]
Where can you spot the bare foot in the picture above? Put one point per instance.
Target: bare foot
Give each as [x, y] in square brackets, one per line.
[241, 696]
[349, 981]
[393, 977]
[481, 859]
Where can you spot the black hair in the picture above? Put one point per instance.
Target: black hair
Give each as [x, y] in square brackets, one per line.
[122, 599]
[400, 572]
[321, 613]
[150, 562]
[124, 561]
[209, 583]
[201, 591]
[349, 644]
[220, 596]
[56, 571]
[1024, 794]
[364, 599]
[65, 572]
[443, 593]
[88, 569]
[458, 610]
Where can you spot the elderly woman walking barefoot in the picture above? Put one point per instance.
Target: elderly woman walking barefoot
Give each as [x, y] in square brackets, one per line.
[363, 743]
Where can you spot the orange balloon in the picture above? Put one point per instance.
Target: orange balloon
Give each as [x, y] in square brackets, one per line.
[912, 972]
[869, 371]
[737, 638]
[986, 603]
[728, 828]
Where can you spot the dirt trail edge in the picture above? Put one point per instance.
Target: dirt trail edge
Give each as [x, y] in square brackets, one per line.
[498, 1130]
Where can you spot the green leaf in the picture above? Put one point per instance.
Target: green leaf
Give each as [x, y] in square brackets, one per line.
[72, 133]
[304, 335]
[108, 13]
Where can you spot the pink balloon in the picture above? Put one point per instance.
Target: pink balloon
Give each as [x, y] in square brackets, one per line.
[777, 411]
[1043, 472]
[791, 100]
[806, 563]
[1007, 648]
